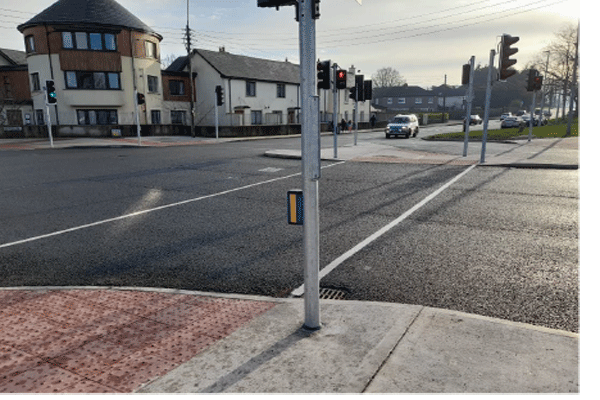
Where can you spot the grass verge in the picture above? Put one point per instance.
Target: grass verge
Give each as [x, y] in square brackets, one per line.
[554, 129]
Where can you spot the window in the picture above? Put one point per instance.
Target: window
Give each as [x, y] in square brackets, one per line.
[30, 44]
[99, 80]
[155, 115]
[390, 100]
[96, 41]
[152, 84]
[97, 117]
[418, 100]
[39, 117]
[89, 41]
[81, 40]
[176, 88]
[35, 81]
[178, 117]
[110, 42]
[114, 81]
[92, 80]
[256, 117]
[67, 39]
[250, 89]
[14, 117]
[430, 100]
[281, 90]
[401, 100]
[151, 50]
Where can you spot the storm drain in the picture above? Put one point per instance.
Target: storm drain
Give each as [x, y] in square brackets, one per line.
[331, 294]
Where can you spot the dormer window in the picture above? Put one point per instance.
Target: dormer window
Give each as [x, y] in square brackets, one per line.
[151, 51]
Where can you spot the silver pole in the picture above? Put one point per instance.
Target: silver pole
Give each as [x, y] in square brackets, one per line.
[531, 115]
[311, 159]
[335, 106]
[49, 125]
[469, 104]
[486, 115]
[216, 117]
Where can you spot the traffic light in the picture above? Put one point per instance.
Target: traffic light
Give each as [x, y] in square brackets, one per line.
[353, 93]
[505, 53]
[324, 74]
[141, 99]
[466, 72]
[368, 89]
[50, 93]
[219, 94]
[340, 79]
[533, 73]
[537, 82]
[360, 90]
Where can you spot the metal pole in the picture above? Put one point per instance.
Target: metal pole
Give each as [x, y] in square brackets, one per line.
[531, 117]
[216, 117]
[137, 116]
[469, 104]
[335, 105]
[355, 115]
[486, 115]
[49, 124]
[311, 159]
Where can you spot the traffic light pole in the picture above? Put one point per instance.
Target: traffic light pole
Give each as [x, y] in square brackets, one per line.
[311, 163]
[216, 115]
[488, 96]
[531, 119]
[335, 112]
[469, 104]
[49, 125]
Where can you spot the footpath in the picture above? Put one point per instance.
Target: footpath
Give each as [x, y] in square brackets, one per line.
[149, 340]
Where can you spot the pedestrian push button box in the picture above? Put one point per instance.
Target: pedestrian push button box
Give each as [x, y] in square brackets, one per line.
[295, 206]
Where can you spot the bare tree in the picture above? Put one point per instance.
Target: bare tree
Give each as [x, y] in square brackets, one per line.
[560, 55]
[387, 77]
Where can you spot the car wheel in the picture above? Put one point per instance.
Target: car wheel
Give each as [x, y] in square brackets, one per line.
[415, 132]
[387, 136]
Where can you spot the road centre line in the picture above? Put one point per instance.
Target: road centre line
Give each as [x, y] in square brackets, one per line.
[163, 207]
[335, 263]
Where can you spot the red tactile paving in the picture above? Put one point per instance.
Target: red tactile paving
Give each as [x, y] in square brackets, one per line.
[107, 341]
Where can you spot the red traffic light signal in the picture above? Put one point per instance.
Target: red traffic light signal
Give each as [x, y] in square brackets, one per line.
[537, 82]
[505, 53]
[340, 79]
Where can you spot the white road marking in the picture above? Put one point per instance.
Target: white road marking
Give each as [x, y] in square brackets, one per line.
[335, 263]
[163, 207]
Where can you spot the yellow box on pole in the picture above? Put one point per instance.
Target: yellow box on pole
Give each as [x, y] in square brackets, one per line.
[295, 206]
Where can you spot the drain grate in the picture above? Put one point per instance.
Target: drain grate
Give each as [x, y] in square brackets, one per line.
[331, 294]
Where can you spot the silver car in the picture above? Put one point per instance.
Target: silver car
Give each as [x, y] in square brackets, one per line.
[511, 122]
[405, 125]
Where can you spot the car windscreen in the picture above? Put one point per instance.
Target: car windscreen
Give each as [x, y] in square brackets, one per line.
[400, 120]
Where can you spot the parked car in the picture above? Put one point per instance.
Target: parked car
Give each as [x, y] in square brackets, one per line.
[474, 120]
[511, 122]
[503, 116]
[405, 125]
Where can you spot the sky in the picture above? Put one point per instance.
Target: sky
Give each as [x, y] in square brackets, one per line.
[424, 40]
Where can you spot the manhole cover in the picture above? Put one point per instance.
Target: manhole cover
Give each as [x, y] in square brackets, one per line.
[331, 294]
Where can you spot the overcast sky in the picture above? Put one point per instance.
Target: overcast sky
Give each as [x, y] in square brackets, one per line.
[422, 39]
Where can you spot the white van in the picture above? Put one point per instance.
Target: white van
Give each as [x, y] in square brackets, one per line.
[405, 125]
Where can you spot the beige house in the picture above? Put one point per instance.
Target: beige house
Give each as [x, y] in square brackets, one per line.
[100, 56]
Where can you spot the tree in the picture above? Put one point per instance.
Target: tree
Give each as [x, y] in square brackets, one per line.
[560, 56]
[387, 77]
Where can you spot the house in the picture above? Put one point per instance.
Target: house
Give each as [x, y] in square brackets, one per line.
[451, 98]
[100, 57]
[405, 99]
[16, 107]
[105, 65]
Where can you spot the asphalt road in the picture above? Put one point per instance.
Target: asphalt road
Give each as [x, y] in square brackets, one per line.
[499, 242]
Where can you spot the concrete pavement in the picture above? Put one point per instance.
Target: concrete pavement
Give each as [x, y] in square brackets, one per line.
[124, 340]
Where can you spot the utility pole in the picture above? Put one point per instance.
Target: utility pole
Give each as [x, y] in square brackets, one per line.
[444, 106]
[188, 45]
[335, 106]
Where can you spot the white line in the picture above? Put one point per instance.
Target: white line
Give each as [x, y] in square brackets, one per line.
[335, 263]
[135, 214]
